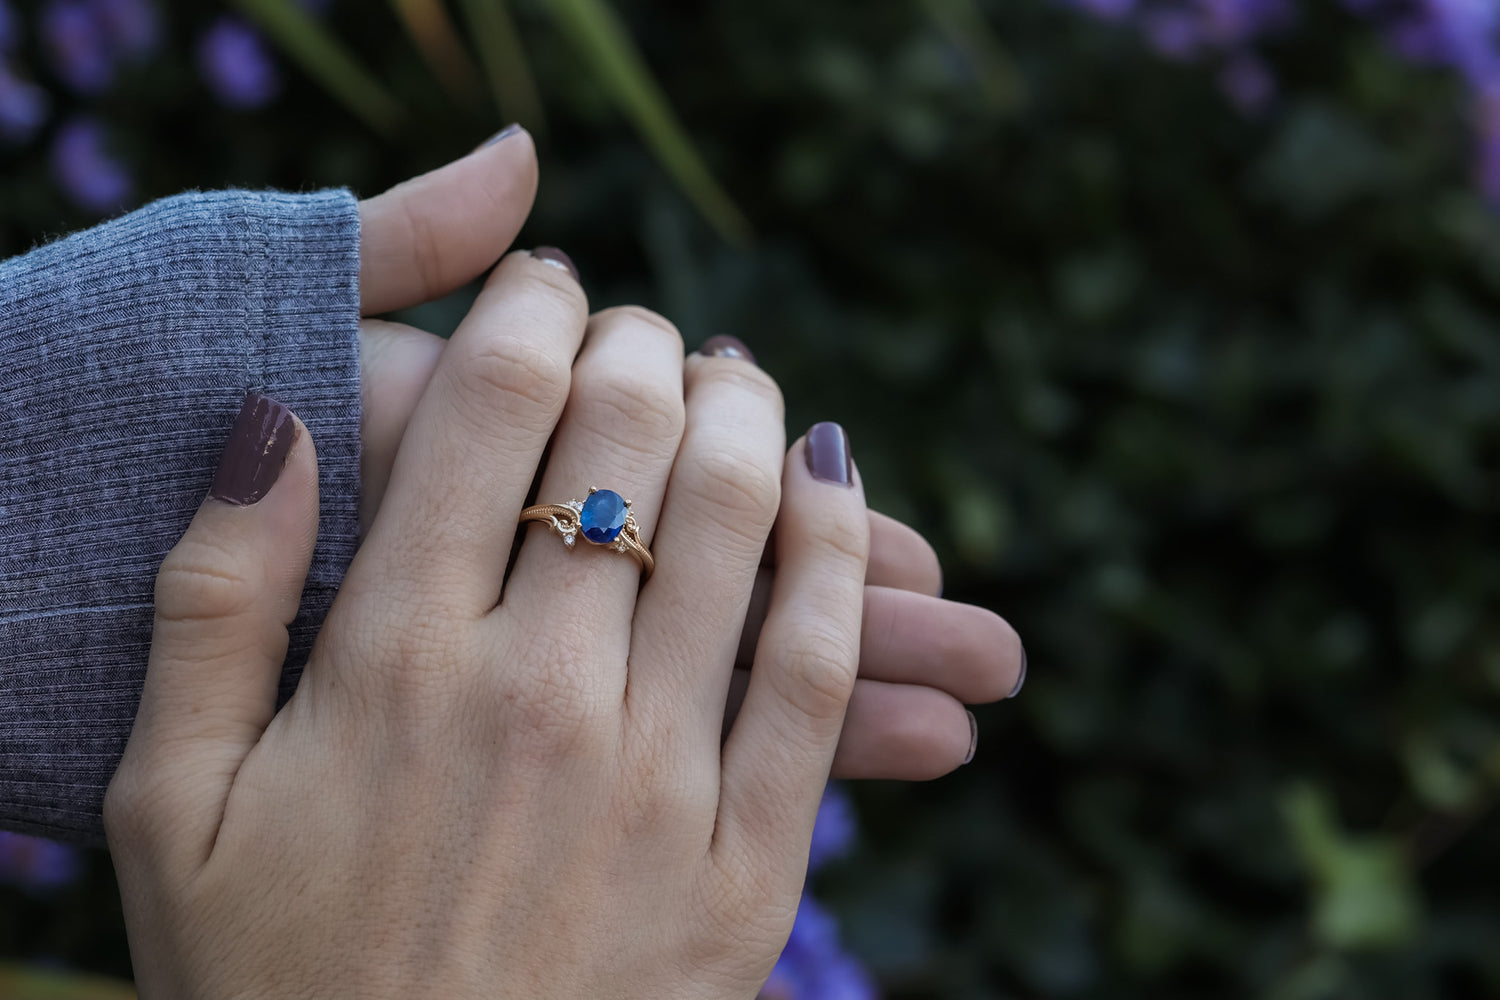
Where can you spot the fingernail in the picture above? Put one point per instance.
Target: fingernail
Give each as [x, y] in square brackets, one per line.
[973, 736]
[724, 346]
[828, 454]
[555, 257]
[259, 444]
[503, 134]
[1020, 681]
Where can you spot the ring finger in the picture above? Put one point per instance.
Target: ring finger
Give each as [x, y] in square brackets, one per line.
[619, 432]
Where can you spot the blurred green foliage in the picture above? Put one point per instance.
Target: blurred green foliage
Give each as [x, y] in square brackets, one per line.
[1207, 406]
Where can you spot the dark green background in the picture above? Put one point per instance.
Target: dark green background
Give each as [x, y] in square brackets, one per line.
[1206, 405]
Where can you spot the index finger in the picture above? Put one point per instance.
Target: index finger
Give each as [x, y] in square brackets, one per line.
[432, 234]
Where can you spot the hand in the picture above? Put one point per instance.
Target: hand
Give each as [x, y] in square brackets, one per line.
[475, 793]
[922, 658]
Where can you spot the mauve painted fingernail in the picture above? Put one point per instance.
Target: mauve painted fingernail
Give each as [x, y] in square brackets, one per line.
[503, 134]
[1020, 681]
[828, 454]
[973, 736]
[555, 257]
[259, 444]
[724, 346]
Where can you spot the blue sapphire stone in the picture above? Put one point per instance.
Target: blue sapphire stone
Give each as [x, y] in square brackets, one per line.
[603, 517]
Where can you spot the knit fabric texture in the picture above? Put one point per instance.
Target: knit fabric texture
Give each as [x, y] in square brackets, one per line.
[125, 352]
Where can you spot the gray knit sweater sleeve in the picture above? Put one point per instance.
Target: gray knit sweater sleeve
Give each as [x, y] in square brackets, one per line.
[124, 354]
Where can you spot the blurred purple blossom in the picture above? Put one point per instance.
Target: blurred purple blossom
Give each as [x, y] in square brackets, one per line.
[10, 32]
[833, 835]
[1487, 167]
[87, 40]
[236, 64]
[814, 966]
[84, 168]
[36, 865]
[23, 107]
[1109, 10]
[1461, 35]
[1173, 34]
[1248, 83]
[78, 45]
[133, 25]
[1411, 36]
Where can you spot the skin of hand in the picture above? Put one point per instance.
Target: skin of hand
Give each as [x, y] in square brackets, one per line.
[489, 786]
[922, 659]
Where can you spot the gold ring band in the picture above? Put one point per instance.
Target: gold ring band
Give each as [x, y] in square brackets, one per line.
[604, 520]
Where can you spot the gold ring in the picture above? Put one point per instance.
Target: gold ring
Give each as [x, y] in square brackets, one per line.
[604, 519]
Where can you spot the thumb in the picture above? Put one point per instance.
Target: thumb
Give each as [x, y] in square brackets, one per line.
[224, 597]
[427, 236]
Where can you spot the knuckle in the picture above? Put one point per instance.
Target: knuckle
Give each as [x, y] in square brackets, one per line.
[746, 380]
[517, 377]
[120, 812]
[744, 491]
[130, 807]
[630, 411]
[842, 534]
[201, 580]
[921, 726]
[554, 708]
[667, 802]
[420, 648]
[616, 316]
[428, 249]
[815, 673]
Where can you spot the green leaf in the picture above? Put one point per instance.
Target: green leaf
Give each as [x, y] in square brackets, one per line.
[17, 982]
[601, 39]
[505, 64]
[322, 57]
[1364, 896]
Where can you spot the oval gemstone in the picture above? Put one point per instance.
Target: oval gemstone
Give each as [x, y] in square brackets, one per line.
[603, 517]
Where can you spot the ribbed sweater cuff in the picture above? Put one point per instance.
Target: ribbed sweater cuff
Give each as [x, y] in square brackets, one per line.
[124, 353]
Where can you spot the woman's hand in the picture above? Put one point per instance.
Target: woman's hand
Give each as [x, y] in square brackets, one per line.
[477, 794]
[922, 659]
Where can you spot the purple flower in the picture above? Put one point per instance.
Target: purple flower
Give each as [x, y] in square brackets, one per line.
[84, 169]
[833, 834]
[23, 107]
[132, 25]
[1487, 165]
[813, 966]
[1468, 27]
[1108, 10]
[234, 61]
[78, 46]
[9, 30]
[1248, 83]
[35, 865]
[1419, 41]
[1174, 34]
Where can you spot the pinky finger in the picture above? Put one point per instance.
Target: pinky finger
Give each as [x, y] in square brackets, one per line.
[781, 747]
[892, 732]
